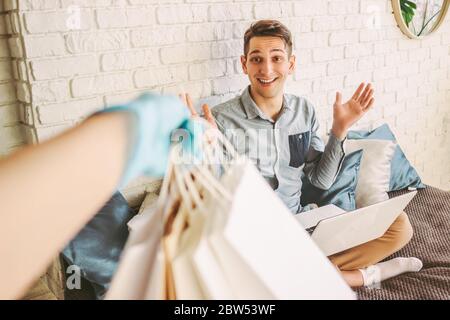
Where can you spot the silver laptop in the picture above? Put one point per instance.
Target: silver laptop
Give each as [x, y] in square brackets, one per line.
[335, 230]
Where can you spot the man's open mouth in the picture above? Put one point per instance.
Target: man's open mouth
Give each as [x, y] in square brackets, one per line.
[266, 81]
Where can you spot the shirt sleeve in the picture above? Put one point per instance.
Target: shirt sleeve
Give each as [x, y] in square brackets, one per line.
[323, 163]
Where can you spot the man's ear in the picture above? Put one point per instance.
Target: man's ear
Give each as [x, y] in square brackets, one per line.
[292, 64]
[244, 64]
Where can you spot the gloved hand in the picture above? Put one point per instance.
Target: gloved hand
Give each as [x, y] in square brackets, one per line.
[153, 119]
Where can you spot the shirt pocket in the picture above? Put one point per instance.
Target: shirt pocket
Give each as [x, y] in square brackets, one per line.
[298, 148]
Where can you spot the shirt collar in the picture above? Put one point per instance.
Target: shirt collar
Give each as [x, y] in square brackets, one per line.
[251, 109]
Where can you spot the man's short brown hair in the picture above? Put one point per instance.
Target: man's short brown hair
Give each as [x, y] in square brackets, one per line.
[268, 28]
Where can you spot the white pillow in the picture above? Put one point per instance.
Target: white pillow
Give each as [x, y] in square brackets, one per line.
[375, 171]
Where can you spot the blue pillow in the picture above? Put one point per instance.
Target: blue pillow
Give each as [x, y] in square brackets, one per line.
[342, 192]
[403, 175]
[97, 247]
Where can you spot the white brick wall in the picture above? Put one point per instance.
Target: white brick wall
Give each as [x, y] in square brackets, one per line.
[74, 56]
[10, 129]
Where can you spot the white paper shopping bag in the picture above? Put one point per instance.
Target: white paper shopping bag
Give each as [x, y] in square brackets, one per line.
[196, 272]
[187, 284]
[278, 252]
[210, 273]
[138, 261]
[242, 279]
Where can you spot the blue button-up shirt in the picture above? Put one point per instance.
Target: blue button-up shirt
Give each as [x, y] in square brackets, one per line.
[283, 149]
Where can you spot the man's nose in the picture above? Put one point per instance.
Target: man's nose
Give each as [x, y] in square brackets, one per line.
[266, 67]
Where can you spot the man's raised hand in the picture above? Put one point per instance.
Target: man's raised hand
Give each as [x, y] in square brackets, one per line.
[187, 100]
[345, 115]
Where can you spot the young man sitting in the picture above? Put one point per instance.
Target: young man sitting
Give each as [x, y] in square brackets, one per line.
[279, 132]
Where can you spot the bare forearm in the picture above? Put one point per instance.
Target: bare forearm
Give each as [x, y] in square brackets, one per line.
[49, 191]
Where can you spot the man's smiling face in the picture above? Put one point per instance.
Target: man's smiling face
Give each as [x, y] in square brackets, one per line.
[268, 64]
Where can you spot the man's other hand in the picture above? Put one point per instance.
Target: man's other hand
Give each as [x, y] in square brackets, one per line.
[187, 100]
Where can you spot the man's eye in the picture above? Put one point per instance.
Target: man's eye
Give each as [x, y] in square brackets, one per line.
[255, 59]
[278, 59]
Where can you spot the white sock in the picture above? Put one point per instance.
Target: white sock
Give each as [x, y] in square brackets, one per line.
[385, 270]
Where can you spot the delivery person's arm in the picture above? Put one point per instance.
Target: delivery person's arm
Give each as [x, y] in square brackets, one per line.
[49, 191]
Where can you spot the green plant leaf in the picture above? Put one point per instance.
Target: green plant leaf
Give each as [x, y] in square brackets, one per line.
[407, 7]
[411, 4]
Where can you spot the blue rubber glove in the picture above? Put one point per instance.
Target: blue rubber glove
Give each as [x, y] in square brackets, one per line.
[153, 119]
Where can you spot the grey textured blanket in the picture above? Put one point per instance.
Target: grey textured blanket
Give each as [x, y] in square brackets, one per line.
[429, 213]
